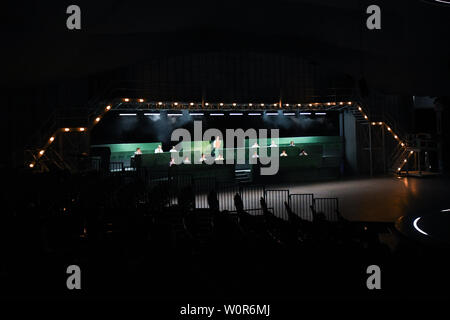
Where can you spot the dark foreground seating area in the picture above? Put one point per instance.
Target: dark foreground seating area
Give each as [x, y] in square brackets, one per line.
[128, 241]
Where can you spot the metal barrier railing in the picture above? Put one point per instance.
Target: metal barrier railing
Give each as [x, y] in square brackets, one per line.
[253, 212]
[276, 199]
[177, 185]
[301, 205]
[225, 196]
[115, 166]
[251, 196]
[328, 206]
[202, 187]
[96, 163]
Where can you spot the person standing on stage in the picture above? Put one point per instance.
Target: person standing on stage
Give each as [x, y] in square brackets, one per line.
[186, 160]
[159, 149]
[303, 153]
[216, 146]
[137, 158]
[255, 145]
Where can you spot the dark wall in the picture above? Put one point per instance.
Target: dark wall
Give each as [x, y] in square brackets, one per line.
[239, 76]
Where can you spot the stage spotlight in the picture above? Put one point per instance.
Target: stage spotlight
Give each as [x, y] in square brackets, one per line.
[396, 137]
[287, 104]
[41, 152]
[160, 103]
[191, 104]
[398, 169]
[405, 160]
[359, 108]
[66, 129]
[31, 165]
[250, 104]
[141, 100]
[380, 123]
[403, 144]
[262, 104]
[275, 104]
[389, 129]
[221, 104]
[81, 129]
[310, 104]
[341, 103]
[176, 103]
[373, 123]
[411, 152]
[108, 108]
[126, 100]
[366, 117]
[97, 119]
[206, 104]
[349, 102]
[51, 139]
[234, 104]
[299, 105]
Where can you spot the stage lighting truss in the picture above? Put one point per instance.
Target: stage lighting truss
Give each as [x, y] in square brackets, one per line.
[38, 154]
[144, 104]
[260, 109]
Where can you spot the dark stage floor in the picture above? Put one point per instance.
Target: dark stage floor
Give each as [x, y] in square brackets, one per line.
[382, 199]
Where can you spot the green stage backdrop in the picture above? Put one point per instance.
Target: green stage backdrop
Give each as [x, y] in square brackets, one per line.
[324, 156]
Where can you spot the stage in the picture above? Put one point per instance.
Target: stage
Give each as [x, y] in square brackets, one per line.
[381, 199]
[378, 199]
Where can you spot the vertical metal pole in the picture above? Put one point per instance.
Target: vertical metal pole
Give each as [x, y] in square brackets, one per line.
[418, 161]
[343, 141]
[280, 102]
[416, 166]
[203, 96]
[370, 149]
[384, 148]
[61, 144]
[438, 110]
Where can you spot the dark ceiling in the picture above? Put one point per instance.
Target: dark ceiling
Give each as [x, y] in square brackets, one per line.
[409, 55]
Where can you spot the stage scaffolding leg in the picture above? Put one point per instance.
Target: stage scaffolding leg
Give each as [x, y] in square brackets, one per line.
[370, 149]
[384, 148]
